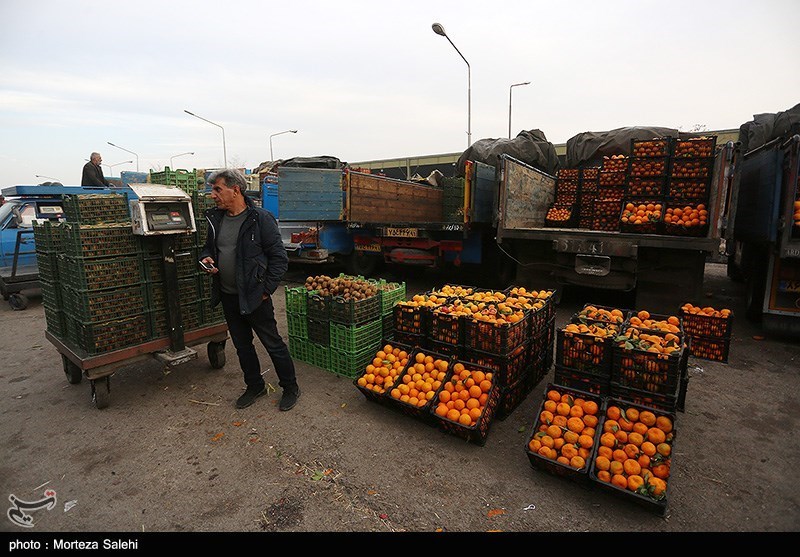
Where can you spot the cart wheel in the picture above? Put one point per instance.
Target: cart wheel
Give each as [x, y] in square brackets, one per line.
[216, 354]
[73, 372]
[18, 301]
[101, 389]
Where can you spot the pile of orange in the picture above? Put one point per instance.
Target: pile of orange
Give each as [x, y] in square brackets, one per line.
[538, 294]
[687, 216]
[634, 339]
[634, 451]
[449, 290]
[612, 315]
[643, 213]
[643, 320]
[594, 330]
[708, 311]
[464, 396]
[423, 300]
[565, 429]
[422, 379]
[382, 372]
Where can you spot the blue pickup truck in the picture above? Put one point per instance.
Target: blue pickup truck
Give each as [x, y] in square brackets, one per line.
[22, 206]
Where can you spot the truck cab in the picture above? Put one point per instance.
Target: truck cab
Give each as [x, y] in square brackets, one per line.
[17, 216]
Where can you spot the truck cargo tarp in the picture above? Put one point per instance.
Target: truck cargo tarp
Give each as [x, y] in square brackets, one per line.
[314, 162]
[589, 148]
[763, 128]
[530, 147]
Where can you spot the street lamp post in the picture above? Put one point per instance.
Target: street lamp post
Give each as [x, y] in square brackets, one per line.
[176, 156]
[111, 166]
[48, 177]
[271, 157]
[131, 152]
[509, 103]
[439, 30]
[224, 149]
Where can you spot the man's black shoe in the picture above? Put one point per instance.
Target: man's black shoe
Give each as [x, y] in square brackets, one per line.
[250, 396]
[289, 398]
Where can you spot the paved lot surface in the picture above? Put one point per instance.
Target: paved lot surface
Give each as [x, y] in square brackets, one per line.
[171, 453]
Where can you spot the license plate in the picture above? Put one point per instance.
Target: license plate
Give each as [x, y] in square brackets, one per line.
[401, 232]
[376, 247]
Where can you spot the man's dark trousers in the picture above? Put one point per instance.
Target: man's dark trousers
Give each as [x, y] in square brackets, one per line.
[262, 321]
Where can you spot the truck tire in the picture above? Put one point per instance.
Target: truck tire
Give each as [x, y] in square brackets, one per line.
[358, 263]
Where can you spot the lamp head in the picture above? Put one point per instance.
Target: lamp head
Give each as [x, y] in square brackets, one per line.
[438, 29]
[293, 131]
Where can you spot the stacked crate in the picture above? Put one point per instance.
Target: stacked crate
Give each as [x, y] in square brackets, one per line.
[100, 271]
[588, 188]
[453, 199]
[610, 192]
[710, 333]
[647, 377]
[187, 180]
[646, 182]
[297, 326]
[194, 285]
[584, 348]
[566, 198]
[689, 188]
[334, 333]
[48, 238]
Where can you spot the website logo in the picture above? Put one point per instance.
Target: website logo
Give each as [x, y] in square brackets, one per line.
[17, 512]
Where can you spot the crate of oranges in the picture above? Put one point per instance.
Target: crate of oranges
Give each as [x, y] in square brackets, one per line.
[634, 453]
[564, 432]
[417, 386]
[383, 371]
[467, 402]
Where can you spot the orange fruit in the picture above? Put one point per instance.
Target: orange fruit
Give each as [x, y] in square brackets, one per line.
[648, 448]
[615, 467]
[647, 418]
[575, 424]
[608, 440]
[619, 455]
[635, 438]
[631, 467]
[590, 407]
[563, 409]
[657, 485]
[656, 436]
[664, 424]
[602, 463]
[549, 405]
[664, 449]
[613, 413]
[603, 476]
[619, 481]
[604, 451]
[585, 441]
[554, 395]
[577, 462]
[632, 414]
[554, 431]
[635, 482]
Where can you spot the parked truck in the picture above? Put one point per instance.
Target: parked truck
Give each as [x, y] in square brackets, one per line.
[363, 219]
[763, 233]
[659, 269]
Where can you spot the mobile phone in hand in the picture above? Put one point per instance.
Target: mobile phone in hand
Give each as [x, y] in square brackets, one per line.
[206, 266]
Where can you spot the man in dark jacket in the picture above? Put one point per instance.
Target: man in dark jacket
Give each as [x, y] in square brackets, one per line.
[93, 173]
[245, 248]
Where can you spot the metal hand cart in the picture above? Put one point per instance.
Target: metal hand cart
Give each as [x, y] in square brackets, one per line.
[100, 367]
[17, 278]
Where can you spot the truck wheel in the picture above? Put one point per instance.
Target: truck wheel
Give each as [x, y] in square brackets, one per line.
[357, 263]
[18, 302]
[73, 372]
[216, 354]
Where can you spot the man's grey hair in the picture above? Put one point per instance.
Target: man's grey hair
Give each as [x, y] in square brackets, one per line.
[93, 155]
[231, 177]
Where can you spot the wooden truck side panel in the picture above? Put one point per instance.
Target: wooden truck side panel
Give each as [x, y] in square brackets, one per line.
[378, 199]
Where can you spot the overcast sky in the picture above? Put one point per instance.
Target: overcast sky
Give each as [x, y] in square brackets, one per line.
[365, 80]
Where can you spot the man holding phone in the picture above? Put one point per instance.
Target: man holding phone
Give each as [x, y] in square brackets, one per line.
[246, 258]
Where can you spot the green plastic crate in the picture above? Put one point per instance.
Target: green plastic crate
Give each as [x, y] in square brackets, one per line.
[355, 338]
[186, 263]
[191, 317]
[299, 349]
[103, 305]
[211, 316]
[51, 295]
[47, 264]
[319, 355]
[48, 237]
[97, 208]
[296, 300]
[389, 297]
[96, 274]
[297, 325]
[351, 312]
[188, 291]
[107, 336]
[108, 240]
[350, 365]
[55, 322]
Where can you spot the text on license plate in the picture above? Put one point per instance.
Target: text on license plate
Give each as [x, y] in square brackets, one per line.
[401, 232]
[374, 246]
[789, 286]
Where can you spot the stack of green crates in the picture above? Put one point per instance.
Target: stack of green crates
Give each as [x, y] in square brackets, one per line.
[48, 238]
[296, 323]
[453, 199]
[100, 272]
[187, 180]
